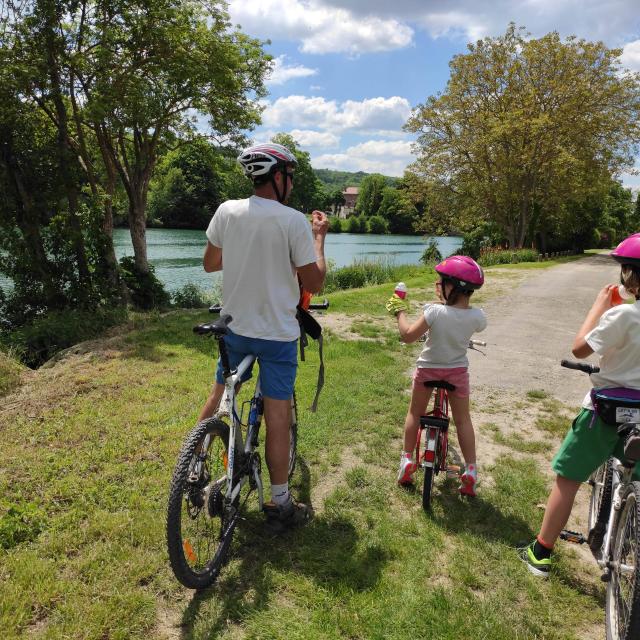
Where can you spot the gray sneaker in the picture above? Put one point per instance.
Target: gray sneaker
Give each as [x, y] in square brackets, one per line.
[280, 518]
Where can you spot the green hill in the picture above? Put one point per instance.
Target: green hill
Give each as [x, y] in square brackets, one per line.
[333, 179]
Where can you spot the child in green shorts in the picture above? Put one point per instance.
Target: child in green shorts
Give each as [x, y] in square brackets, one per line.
[613, 332]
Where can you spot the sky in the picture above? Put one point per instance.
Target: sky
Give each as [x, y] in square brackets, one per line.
[347, 73]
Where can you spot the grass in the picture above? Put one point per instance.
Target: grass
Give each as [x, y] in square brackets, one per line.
[10, 373]
[89, 456]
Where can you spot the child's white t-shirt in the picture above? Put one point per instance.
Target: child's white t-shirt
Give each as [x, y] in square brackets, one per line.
[616, 339]
[262, 243]
[450, 329]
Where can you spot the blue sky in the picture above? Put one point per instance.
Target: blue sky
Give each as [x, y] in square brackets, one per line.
[348, 72]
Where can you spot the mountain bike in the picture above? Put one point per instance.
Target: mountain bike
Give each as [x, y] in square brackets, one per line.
[215, 465]
[614, 530]
[434, 428]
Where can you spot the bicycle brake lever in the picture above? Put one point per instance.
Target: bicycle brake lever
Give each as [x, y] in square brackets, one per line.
[478, 350]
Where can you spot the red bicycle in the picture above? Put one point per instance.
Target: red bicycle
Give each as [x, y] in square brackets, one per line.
[434, 428]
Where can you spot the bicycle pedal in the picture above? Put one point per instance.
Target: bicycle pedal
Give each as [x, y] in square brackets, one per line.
[453, 470]
[572, 536]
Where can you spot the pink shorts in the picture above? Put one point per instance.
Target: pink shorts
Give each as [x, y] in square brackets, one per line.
[458, 376]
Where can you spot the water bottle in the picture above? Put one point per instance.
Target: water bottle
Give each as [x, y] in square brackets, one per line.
[619, 295]
[401, 290]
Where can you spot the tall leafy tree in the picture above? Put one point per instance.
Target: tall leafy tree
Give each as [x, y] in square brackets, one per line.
[370, 194]
[525, 125]
[130, 75]
[308, 193]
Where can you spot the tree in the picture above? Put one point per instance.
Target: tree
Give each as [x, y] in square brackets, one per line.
[130, 74]
[308, 193]
[370, 194]
[525, 125]
[336, 200]
[396, 207]
[188, 187]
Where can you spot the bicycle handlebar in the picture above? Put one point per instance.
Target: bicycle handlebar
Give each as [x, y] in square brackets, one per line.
[580, 366]
[477, 343]
[216, 308]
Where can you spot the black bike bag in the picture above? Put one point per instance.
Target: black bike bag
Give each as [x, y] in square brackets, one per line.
[616, 405]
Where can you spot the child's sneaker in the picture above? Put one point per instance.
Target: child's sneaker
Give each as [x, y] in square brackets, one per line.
[539, 568]
[468, 481]
[407, 469]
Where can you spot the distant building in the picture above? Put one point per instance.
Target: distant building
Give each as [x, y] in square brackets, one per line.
[350, 198]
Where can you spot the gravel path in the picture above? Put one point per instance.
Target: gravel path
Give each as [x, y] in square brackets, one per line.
[532, 327]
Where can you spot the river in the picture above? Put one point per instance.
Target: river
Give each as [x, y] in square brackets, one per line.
[176, 254]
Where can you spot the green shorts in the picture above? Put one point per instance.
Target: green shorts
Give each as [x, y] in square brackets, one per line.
[586, 447]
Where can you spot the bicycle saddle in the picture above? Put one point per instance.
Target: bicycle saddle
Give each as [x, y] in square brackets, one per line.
[218, 328]
[440, 384]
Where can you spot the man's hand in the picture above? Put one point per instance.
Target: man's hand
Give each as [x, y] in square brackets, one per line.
[395, 304]
[319, 224]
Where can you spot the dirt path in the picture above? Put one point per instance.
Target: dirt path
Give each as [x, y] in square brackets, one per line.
[532, 326]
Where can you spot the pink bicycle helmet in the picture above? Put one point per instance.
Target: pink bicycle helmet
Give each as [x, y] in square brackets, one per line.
[628, 251]
[463, 271]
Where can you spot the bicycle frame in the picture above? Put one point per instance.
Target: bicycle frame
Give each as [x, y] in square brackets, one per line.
[229, 407]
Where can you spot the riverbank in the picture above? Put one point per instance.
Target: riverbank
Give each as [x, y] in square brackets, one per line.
[91, 440]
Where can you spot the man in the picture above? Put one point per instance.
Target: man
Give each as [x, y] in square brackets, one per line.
[264, 244]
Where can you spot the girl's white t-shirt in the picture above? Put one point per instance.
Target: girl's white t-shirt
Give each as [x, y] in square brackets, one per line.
[262, 242]
[450, 329]
[616, 339]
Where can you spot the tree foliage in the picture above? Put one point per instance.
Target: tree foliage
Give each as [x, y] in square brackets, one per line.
[525, 126]
[308, 193]
[370, 194]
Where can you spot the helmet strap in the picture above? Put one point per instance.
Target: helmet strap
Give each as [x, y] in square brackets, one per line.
[281, 196]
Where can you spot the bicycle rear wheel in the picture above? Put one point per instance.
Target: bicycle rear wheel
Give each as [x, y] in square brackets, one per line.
[199, 524]
[623, 589]
[599, 504]
[430, 472]
[293, 436]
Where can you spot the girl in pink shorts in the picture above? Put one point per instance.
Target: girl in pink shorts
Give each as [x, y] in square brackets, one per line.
[450, 326]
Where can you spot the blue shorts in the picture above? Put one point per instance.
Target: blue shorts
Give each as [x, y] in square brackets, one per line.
[278, 363]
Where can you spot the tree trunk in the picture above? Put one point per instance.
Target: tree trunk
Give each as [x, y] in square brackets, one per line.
[138, 230]
[66, 157]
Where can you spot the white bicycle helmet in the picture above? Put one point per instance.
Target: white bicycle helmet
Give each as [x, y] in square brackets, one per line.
[264, 159]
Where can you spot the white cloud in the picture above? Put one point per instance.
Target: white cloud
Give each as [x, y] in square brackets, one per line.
[389, 157]
[282, 72]
[630, 58]
[377, 115]
[315, 139]
[320, 28]
[360, 26]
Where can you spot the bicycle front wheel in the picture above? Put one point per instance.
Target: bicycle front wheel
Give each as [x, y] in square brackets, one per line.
[293, 436]
[600, 501]
[199, 524]
[623, 589]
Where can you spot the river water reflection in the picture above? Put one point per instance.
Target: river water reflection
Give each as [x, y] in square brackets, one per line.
[177, 253]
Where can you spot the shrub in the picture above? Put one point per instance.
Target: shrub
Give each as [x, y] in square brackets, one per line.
[361, 273]
[335, 224]
[494, 255]
[147, 292]
[485, 235]
[191, 296]
[37, 341]
[431, 254]
[377, 224]
[353, 224]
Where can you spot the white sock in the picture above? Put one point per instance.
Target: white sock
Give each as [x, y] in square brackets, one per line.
[280, 493]
[406, 454]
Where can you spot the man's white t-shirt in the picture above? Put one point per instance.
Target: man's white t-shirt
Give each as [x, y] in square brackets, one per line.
[262, 242]
[450, 329]
[616, 339]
